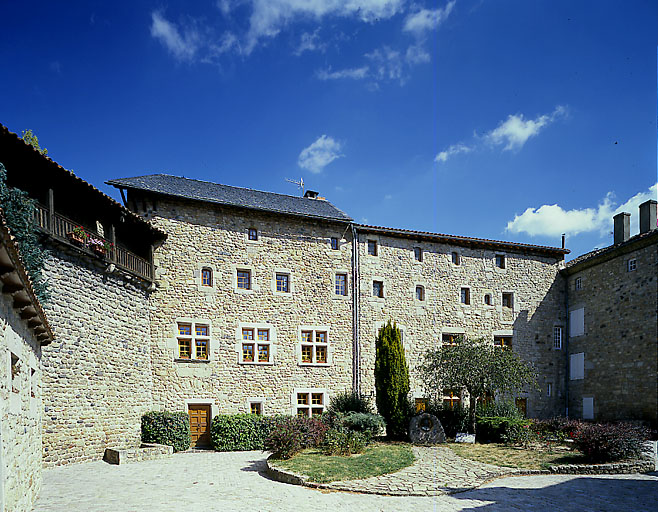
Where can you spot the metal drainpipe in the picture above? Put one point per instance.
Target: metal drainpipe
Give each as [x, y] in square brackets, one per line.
[566, 346]
[356, 351]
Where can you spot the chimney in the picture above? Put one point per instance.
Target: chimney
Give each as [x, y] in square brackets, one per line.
[648, 216]
[311, 194]
[622, 227]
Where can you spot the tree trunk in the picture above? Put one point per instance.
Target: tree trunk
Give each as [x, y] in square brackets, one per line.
[471, 412]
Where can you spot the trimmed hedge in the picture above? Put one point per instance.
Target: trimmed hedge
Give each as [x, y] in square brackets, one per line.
[501, 429]
[170, 428]
[238, 432]
[601, 442]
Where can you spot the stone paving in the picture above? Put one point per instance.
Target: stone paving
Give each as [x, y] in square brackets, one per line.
[207, 482]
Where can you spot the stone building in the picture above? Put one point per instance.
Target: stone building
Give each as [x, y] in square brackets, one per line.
[613, 325]
[24, 330]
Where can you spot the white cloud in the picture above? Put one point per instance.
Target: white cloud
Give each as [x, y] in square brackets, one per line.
[453, 150]
[417, 54]
[310, 42]
[183, 46]
[350, 73]
[427, 19]
[552, 220]
[515, 131]
[318, 155]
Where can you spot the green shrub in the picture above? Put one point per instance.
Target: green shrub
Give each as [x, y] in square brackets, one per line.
[601, 442]
[344, 442]
[453, 420]
[499, 429]
[502, 408]
[350, 401]
[289, 435]
[170, 428]
[369, 424]
[556, 429]
[233, 432]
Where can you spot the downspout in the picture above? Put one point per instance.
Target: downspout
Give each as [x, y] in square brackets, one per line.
[566, 346]
[356, 351]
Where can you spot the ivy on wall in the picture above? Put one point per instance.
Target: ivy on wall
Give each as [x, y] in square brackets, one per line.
[18, 211]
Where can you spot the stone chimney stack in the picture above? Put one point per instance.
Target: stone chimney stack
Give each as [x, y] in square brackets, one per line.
[622, 227]
[648, 215]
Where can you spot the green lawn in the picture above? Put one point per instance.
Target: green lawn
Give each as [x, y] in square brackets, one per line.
[513, 457]
[377, 459]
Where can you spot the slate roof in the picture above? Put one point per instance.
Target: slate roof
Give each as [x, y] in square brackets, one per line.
[464, 240]
[206, 191]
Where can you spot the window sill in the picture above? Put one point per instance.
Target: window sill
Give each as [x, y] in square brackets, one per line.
[193, 361]
[256, 363]
[314, 364]
[340, 297]
[244, 291]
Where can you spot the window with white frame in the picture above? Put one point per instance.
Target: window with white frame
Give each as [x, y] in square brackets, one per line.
[632, 265]
[578, 283]
[282, 282]
[252, 234]
[256, 345]
[557, 337]
[193, 340]
[206, 276]
[314, 345]
[420, 293]
[244, 279]
[309, 402]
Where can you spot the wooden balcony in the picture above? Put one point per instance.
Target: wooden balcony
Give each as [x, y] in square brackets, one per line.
[59, 227]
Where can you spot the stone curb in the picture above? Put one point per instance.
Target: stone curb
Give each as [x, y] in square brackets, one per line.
[631, 467]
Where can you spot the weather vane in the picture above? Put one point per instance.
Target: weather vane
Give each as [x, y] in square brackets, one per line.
[300, 183]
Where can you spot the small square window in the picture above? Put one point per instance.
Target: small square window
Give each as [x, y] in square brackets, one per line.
[307, 353]
[206, 277]
[557, 337]
[247, 334]
[451, 398]
[465, 296]
[256, 408]
[317, 398]
[632, 265]
[500, 260]
[508, 300]
[421, 405]
[487, 299]
[253, 234]
[283, 283]
[263, 335]
[248, 352]
[184, 348]
[263, 353]
[341, 284]
[193, 340]
[302, 399]
[449, 339]
[503, 342]
[334, 244]
[378, 289]
[201, 349]
[320, 354]
[372, 247]
[256, 345]
[201, 330]
[244, 279]
[420, 293]
[418, 253]
[456, 258]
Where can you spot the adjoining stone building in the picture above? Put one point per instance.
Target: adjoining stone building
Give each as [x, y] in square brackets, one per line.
[613, 325]
[24, 330]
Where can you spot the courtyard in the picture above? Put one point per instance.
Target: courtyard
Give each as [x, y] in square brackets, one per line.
[230, 481]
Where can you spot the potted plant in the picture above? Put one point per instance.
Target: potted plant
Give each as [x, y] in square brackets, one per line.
[78, 236]
[99, 246]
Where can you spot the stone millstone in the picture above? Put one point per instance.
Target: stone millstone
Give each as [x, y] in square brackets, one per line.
[426, 429]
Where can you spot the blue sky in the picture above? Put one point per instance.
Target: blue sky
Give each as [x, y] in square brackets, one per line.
[510, 120]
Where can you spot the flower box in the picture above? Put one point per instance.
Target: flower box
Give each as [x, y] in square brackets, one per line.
[76, 238]
[99, 250]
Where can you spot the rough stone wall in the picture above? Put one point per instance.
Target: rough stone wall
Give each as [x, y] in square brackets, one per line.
[202, 235]
[20, 413]
[97, 371]
[620, 341]
[538, 307]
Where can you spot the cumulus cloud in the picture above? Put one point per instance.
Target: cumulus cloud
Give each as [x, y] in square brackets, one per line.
[426, 20]
[515, 130]
[552, 220]
[183, 45]
[512, 134]
[309, 42]
[318, 155]
[350, 73]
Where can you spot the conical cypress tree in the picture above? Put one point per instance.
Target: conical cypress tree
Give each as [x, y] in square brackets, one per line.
[391, 380]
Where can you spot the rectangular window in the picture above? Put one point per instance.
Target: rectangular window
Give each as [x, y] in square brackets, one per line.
[487, 299]
[500, 260]
[201, 347]
[420, 293]
[508, 300]
[449, 339]
[588, 408]
[15, 373]
[193, 340]
[244, 279]
[33, 382]
[418, 253]
[256, 408]
[248, 352]
[311, 403]
[549, 389]
[283, 283]
[334, 244]
[503, 342]
[632, 265]
[579, 283]
[577, 366]
[456, 258]
[420, 405]
[256, 352]
[372, 247]
[184, 341]
[577, 322]
[314, 347]
[465, 296]
[557, 338]
[263, 353]
[341, 284]
[206, 277]
[253, 234]
[451, 398]
[378, 289]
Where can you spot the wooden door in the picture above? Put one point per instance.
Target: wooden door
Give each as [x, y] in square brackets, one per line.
[199, 424]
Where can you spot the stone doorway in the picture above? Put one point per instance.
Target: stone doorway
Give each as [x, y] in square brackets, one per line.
[200, 416]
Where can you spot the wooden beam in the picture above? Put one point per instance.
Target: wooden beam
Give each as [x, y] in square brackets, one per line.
[12, 288]
[21, 303]
[113, 239]
[51, 209]
[28, 313]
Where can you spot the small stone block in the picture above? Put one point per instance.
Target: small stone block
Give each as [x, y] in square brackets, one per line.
[465, 438]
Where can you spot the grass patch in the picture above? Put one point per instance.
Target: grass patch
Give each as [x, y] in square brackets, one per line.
[513, 457]
[377, 459]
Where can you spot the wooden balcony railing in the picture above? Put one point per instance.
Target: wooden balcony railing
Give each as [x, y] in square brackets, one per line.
[121, 257]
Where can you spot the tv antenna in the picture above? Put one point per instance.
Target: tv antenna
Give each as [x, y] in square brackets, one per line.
[300, 183]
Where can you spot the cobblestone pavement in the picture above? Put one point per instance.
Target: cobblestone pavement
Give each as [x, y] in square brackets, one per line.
[436, 471]
[207, 482]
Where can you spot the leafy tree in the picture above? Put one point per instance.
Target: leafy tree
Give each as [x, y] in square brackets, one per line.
[18, 210]
[477, 366]
[391, 380]
[29, 137]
